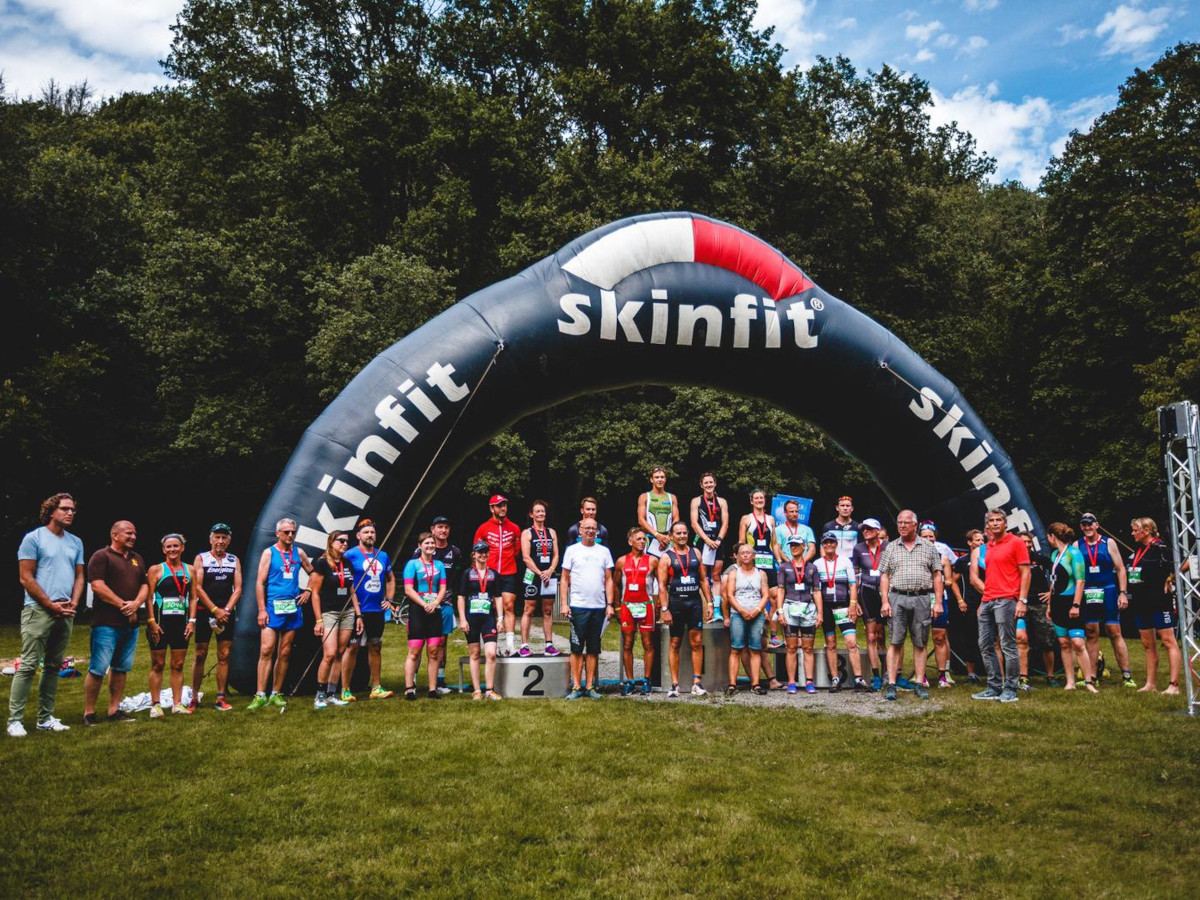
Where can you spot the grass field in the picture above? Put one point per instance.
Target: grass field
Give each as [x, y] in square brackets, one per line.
[1059, 794]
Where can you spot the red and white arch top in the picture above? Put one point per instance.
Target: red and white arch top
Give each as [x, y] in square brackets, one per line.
[654, 242]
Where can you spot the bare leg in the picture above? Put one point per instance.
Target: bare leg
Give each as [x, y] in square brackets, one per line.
[810, 659]
[199, 660]
[627, 654]
[1174, 658]
[1151, 648]
[1092, 629]
[411, 663]
[285, 654]
[116, 690]
[473, 650]
[1120, 651]
[349, 660]
[852, 651]
[158, 660]
[591, 661]
[792, 642]
[697, 641]
[266, 652]
[223, 665]
[91, 690]
[648, 654]
[576, 670]
[1068, 658]
[178, 657]
[673, 659]
[489, 654]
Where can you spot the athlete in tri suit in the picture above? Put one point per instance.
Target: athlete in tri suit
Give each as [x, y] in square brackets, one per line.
[1035, 631]
[710, 522]
[539, 552]
[685, 604]
[375, 588]
[478, 613]
[1151, 581]
[966, 622]
[800, 612]
[277, 590]
[425, 587]
[791, 527]
[218, 587]
[587, 510]
[657, 511]
[504, 539]
[1065, 597]
[1104, 595]
[632, 578]
[451, 557]
[939, 625]
[845, 527]
[338, 616]
[838, 593]
[757, 528]
[171, 621]
[865, 559]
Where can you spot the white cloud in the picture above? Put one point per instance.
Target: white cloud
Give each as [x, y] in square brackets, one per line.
[1131, 29]
[974, 44]
[980, 5]
[1071, 33]
[922, 34]
[924, 55]
[116, 27]
[1014, 133]
[846, 23]
[29, 66]
[946, 41]
[793, 27]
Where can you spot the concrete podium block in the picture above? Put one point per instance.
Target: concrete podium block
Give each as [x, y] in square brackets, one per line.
[714, 675]
[533, 677]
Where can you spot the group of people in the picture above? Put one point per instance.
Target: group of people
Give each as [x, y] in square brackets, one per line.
[773, 589]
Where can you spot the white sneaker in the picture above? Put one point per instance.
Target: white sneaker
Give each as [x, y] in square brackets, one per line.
[673, 692]
[16, 729]
[442, 689]
[156, 711]
[319, 702]
[335, 700]
[698, 691]
[53, 724]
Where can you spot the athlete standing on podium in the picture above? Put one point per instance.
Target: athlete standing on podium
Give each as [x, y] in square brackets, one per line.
[657, 511]
[504, 540]
[632, 577]
[685, 604]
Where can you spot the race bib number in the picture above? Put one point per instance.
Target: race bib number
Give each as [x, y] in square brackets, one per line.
[529, 576]
[633, 586]
[429, 597]
[1135, 575]
[841, 615]
[173, 606]
[285, 607]
[805, 613]
[480, 603]
[637, 610]
[1093, 595]
[764, 560]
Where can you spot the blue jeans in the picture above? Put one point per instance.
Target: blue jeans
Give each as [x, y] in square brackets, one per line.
[745, 634]
[111, 646]
[997, 618]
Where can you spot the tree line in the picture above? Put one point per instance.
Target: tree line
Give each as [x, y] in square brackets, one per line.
[194, 272]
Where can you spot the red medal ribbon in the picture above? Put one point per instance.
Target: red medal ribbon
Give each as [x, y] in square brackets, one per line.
[1137, 557]
[830, 577]
[1093, 556]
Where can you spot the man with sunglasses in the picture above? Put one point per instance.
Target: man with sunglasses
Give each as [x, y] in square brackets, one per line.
[277, 588]
[50, 561]
[375, 587]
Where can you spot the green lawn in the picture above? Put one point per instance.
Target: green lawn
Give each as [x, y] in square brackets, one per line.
[1058, 794]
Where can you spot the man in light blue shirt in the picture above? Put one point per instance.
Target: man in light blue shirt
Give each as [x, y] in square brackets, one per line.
[51, 568]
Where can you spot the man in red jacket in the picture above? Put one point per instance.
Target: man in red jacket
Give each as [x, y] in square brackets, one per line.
[504, 544]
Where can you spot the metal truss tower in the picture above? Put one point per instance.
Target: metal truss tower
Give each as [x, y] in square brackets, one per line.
[1179, 427]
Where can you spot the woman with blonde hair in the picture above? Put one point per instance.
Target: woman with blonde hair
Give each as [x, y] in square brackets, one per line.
[1066, 599]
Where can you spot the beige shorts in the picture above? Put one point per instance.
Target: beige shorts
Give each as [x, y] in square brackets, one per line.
[339, 621]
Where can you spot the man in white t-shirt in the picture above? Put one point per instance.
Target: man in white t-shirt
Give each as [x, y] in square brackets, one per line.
[587, 578]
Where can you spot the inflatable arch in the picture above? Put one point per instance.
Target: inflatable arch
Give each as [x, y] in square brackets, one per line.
[669, 298]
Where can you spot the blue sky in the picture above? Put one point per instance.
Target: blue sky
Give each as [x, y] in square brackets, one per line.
[1018, 75]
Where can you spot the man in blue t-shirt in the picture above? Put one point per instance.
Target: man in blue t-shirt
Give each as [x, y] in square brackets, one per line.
[375, 584]
[51, 565]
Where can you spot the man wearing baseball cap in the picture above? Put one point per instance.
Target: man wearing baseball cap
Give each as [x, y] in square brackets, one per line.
[1104, 595]
[218, 589]
[504, 542]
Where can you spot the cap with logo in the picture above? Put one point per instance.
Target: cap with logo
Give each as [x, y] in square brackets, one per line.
[220, 528]
[497, 499]
[871, 523]
[829, 536]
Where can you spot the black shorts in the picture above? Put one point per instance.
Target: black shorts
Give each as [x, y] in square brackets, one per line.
[510, 584]
[204, 630]
[423, 625]
[372, 626]
[481, 628]
[799, 630]
[586, 627]
[871, 603]
[171, 635]
[686, 612]
[829, 626]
